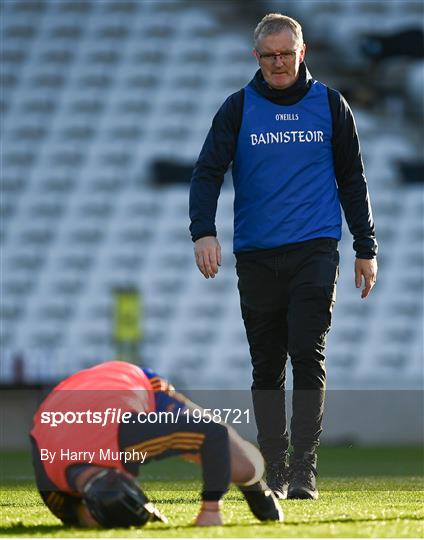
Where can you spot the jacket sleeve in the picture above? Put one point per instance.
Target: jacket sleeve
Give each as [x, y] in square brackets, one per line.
[350, 176]
[208, 175]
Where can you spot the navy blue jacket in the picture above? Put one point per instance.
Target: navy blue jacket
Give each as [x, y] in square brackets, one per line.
[220, 146]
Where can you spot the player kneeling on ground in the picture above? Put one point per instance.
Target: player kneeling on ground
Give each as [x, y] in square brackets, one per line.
[89, 424]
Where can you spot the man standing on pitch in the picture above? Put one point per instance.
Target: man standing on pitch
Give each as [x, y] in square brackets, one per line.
[296, 162]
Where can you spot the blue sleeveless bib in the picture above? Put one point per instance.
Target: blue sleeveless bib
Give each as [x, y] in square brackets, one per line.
[283, 172]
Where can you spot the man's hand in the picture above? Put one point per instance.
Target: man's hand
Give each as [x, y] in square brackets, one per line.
[210, 514]
[208, 255]
[368, 269]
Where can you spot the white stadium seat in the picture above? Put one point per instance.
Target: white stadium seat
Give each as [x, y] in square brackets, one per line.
[83, 126]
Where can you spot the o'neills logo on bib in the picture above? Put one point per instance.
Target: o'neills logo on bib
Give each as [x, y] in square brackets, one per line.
[282, 137]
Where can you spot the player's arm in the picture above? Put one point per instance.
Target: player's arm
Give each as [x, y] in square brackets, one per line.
[246, 468]
[187, 437]
[70, 509]
[208, 175]
[64, 506]
[353, 191]
[246, 461]
[225, 457]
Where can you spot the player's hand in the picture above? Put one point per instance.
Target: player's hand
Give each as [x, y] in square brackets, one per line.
[209, 515]
[366, 268]
[208, 255]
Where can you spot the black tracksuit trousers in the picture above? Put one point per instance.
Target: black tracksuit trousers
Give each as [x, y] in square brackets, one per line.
[286, 303]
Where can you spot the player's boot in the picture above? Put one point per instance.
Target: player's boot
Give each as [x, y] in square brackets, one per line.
[262, 502]
[277, 476]
[303, 472]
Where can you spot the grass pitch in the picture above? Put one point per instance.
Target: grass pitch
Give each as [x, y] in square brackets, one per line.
[363, 493]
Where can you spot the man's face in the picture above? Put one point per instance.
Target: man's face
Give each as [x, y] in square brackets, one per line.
[279, 57]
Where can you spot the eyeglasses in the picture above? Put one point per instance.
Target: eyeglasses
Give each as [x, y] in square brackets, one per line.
[272, 57]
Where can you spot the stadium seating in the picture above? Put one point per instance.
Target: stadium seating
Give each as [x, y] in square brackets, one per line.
[93, 93]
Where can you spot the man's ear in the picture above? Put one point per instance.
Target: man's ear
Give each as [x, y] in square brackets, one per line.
[256, 54]
[302, 53]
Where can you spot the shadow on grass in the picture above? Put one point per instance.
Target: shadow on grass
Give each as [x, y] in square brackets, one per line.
[353, 520]
[19, 528]
[46, 530]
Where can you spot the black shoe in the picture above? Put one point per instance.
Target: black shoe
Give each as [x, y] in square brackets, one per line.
[277, 477]
[303, 474]
[262, 502]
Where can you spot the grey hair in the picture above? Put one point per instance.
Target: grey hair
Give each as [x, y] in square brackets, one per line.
[273, 23]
